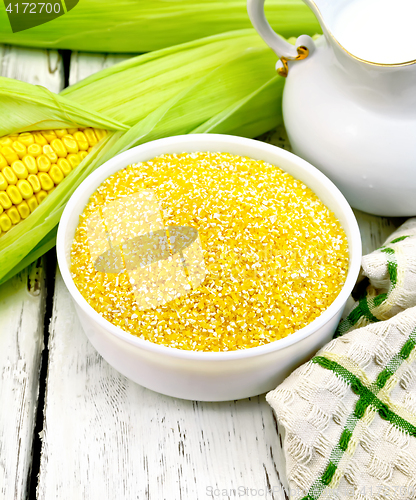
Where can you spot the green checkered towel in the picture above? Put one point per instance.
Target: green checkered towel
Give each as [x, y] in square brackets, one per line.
[349, 414]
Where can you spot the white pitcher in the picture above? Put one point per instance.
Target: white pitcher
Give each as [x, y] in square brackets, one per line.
[349, 102]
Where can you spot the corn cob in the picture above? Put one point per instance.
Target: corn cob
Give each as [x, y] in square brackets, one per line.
[32, 164]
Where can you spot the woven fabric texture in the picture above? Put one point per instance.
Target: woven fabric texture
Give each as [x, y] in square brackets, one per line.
[391, 271]
[349, 414]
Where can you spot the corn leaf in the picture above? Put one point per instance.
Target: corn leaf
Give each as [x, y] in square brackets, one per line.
[252, 115]
[129, 91]
[46, 244]
[32, 107]
[194, 106]
[146, 25]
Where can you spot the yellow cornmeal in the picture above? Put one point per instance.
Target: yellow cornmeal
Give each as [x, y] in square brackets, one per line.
[275, 256]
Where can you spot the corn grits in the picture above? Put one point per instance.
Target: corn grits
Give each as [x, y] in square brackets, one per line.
[269, 256]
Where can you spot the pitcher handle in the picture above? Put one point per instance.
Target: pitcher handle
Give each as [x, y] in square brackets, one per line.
[283, 49]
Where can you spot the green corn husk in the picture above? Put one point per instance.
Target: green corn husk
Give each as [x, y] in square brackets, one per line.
[146, 25]
[222, 68]
[224, 84]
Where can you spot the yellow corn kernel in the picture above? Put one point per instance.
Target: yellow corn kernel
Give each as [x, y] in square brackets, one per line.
[20, 149]
[26, 138]
[9, 154]
[5, 222]
[81, 140]
[5, 201]
[33, 163]
[74, 160]
[32, 203]
[14, 195]
[59, 148]
[61, 132]
[49, 135]
[45, 181]
[14, 215]
[41, 196]
[64, 165]
[100, 133]
[25, 189]
[50, 191]
[34, 150]
[70, 144]
[5, 141]
[3, 162]
[39, 139]
[44, 164]
[23, 209]
[56, 174]
[30, 164]
[91, 137]
[50, 153]
[34, 182]
[9, 175]
[3, 183]
[20, 169]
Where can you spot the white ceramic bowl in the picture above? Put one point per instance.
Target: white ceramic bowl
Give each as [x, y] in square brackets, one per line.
[208, 376]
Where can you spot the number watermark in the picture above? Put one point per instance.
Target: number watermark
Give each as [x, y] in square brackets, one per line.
[398, 492]
[26, 15]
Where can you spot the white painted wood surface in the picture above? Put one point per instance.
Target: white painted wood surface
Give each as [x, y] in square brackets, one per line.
[22, 301]
[36, 66]
[85, 64]
[106, 437]
[21, 344]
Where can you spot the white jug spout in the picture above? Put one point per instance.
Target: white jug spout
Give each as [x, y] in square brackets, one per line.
[284, 50]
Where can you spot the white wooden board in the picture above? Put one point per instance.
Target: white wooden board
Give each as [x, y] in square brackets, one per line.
[84, 64]
[21, 344]
[36, 66]
[22, 301]
[106, 437]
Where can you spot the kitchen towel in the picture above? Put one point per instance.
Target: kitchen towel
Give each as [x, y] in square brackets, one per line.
[349, 414]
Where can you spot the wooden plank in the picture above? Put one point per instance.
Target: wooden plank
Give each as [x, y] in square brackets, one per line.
[21, 345]
[375, 230]
[106, 437]
[22, 306]
[36, 66]
[84, 64]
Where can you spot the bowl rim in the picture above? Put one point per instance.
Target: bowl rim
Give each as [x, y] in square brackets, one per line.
[222, 140]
